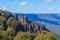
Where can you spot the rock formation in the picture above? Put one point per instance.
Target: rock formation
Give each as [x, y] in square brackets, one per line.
[32, 27]
[23, 23]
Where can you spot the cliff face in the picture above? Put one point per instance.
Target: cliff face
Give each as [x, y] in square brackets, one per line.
[23, 23]
[30, 26]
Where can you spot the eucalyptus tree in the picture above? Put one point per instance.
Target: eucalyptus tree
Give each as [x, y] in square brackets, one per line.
[2, 20]
[23, 36]
[12, 22]
[3, 35]
[10, 32]
[45, 35]
[1, 28]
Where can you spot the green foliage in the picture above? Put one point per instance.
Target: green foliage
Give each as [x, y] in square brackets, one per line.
[2, 18]
[10, 33]
[1, 28]
[3, 35]
[11, 30]
[45, 35]
[12, 22]
[23, 36]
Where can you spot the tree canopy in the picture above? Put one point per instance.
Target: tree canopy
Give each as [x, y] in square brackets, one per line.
[23, 36]
[45, 35]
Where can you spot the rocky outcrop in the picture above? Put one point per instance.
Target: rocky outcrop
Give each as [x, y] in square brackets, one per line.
[22, 20]
[23, 23]
[5, 14]
[32, 26]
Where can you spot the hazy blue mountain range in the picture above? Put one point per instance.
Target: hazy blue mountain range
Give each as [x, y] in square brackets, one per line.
[51, 21]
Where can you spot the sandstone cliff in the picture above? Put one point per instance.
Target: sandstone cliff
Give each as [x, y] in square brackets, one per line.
[23, 23]
[30, 26]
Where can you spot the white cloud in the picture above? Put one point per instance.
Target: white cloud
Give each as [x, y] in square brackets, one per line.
[49, 0]
[50, 8]
[23, 3]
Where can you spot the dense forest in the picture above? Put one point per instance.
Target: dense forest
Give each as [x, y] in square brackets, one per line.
[13, 28]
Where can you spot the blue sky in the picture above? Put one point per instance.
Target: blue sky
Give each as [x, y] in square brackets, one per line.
[31, 6]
